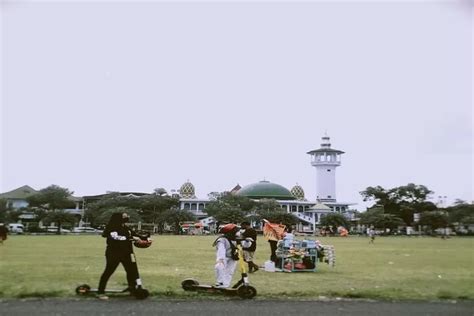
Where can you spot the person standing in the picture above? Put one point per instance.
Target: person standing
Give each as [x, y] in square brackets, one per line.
[249, 252]
[371, 233]
[3, 233]
[226, 255]
[119, 250]
[273, 233]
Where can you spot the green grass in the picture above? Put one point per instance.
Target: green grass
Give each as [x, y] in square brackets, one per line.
[393, 268]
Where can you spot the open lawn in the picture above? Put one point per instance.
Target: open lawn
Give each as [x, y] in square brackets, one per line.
[420, 268]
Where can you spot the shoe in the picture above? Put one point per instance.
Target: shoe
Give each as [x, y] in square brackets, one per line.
[102, 297]
[219, 285]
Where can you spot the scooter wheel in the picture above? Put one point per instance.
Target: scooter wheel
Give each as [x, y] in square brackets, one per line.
[189, 284]
[83, 289]
[141, 294]
[246, 291]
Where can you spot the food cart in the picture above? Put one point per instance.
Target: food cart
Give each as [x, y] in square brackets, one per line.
[303, 255]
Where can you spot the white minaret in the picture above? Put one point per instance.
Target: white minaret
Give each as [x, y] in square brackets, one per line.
[326, 160]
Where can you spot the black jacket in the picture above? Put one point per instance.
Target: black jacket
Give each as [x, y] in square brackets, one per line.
[250, 232]
[120, 245]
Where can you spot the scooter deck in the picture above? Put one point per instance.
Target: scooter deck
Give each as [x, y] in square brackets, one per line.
[211, 287]
[109, 291]
[139, 293]
[244, 291]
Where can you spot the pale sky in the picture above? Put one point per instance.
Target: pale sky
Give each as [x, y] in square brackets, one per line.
[125, 96]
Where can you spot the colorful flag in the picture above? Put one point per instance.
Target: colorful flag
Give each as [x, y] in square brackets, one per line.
[272, 231]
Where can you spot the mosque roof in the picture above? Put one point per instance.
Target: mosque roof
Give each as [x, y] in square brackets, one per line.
[320, 207]
[298, 192]
[19, 193]
[325, 150]
[187, 190]
[266, 190]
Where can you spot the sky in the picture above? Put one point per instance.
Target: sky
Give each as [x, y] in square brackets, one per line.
[103, 96]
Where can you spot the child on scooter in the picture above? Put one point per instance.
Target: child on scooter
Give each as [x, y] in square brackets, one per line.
[226, 254]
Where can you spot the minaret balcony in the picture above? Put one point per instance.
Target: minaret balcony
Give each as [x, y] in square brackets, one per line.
[325, 163]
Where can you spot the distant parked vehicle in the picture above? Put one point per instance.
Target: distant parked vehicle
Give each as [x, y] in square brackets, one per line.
[86, 230]
[55, 230]
[16, 228]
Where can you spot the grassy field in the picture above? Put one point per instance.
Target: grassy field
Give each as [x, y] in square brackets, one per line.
[419, 268]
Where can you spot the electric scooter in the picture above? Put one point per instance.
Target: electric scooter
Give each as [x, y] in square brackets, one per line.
[139, 292]
[242, 288]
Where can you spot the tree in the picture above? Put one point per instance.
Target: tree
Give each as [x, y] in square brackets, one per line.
[160, 191]
[174, 217]
[402, 201]
[461, 213]
[106, 213]
[226, 201]
[335, 220]
[3, 210]
[53, 199]
[277, 216]
[377, 218]
[434, 220]
[229, 208]
[151, 206]
[93, 212]
[59, 217]
[411, 193]
[230, 216]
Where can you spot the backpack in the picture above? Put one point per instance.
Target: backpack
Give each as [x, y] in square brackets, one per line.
[233, 249]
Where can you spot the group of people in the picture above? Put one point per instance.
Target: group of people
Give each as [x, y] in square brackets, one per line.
[120, 250]
[227, 254]
[226, 247]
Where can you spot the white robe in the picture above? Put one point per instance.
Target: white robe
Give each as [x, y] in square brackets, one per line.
[225, 266]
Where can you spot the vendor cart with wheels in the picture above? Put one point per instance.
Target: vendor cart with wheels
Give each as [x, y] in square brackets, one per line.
[297, 255]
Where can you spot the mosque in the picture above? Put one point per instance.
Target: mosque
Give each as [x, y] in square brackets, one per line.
[325, 160]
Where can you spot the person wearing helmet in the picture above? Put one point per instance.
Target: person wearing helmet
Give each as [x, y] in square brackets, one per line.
[119, 250]
[226, 255]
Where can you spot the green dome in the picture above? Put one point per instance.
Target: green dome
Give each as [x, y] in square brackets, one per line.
[265, 190]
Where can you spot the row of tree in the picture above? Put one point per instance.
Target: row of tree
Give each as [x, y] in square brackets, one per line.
[397, 207]
[49, 206]
[392, 208]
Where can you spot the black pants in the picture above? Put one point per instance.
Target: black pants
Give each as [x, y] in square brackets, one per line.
[113, 260]
[273, 248]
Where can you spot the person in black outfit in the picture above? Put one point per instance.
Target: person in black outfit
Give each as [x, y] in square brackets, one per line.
[3, 233]
[119, 250]
[249, 252]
